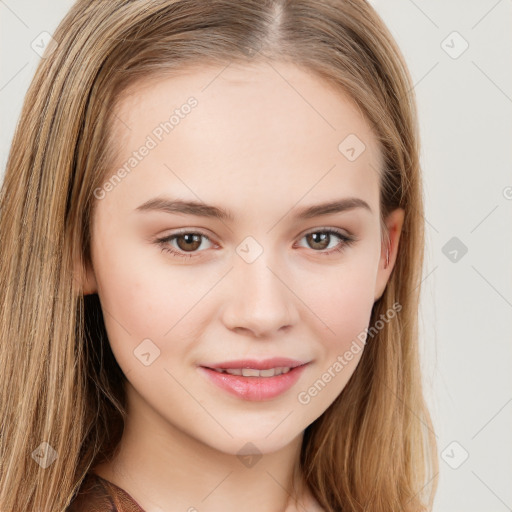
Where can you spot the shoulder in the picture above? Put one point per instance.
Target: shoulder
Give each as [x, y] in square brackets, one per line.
[99, 495]
[92, 496]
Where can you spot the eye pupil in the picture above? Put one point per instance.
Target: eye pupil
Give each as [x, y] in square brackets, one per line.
[190, 238]
[323, 237]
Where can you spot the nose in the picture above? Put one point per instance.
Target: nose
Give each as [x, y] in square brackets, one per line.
[260, 301]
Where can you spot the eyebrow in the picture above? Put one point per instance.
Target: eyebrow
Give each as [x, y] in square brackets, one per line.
[172, 206]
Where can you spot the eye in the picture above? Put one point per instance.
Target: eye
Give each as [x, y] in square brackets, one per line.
[320, 239]
[187, 241]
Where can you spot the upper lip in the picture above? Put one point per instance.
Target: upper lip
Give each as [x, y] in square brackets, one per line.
[265, 364]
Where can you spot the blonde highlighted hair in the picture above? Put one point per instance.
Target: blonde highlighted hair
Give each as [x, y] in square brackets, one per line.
[374, 448]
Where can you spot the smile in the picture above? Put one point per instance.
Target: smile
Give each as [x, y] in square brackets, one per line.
[252, 384]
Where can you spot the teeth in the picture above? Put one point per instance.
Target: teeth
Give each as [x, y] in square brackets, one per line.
[252, 372]
[249, 372]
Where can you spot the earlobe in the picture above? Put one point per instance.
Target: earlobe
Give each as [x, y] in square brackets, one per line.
[389, 250]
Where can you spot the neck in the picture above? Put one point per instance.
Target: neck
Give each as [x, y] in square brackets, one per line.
[164, 468]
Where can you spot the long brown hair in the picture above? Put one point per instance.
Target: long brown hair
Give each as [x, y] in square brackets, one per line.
[62, 391]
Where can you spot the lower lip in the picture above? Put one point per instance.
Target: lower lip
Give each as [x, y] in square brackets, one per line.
[254, 388]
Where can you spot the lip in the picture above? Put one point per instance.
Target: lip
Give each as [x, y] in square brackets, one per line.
[255, 388]
[265, 364]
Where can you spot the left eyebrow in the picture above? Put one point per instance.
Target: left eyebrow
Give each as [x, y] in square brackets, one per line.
[341, 205]
[171, 206]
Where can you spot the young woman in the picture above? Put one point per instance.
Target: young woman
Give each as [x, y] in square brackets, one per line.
[212, 243]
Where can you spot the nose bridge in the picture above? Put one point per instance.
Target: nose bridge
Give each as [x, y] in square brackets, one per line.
[260, 300]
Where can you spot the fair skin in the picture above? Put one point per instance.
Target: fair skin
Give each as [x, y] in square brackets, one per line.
[263, 148]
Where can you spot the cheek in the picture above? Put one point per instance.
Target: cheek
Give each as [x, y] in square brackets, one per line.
[140, 303]
[342, 313]
[342, 299]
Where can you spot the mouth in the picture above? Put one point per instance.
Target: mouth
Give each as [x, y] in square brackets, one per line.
[252, 383]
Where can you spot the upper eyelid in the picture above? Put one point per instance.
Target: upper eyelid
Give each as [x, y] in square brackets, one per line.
[327, 228]
[194, 231]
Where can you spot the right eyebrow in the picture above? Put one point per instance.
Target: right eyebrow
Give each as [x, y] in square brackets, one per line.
[167, 205]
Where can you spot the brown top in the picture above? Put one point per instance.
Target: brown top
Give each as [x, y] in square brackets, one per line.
[99, 495]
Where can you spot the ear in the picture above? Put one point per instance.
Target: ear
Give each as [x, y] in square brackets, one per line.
[86, 278]
[389, 250]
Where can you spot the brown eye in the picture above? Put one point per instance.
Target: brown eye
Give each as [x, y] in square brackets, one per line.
[180, 244]
[188, 242]
[318, 240]
[321, 239]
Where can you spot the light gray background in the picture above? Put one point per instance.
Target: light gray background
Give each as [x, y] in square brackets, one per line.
[465, 106]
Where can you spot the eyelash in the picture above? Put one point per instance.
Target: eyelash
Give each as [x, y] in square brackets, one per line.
[164, 242]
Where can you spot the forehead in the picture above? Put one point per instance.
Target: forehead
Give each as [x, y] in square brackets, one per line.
[259, 126]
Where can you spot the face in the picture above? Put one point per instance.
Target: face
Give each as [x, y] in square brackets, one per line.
[250, 272]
